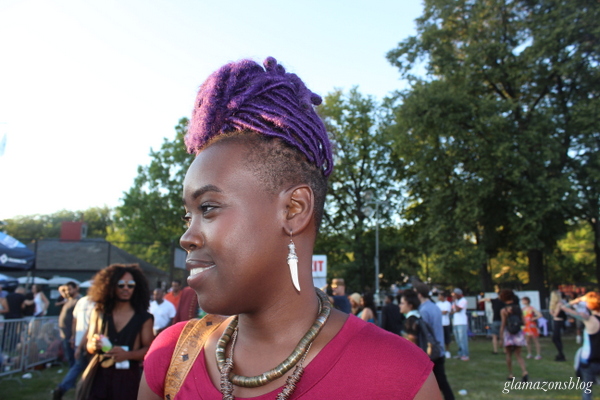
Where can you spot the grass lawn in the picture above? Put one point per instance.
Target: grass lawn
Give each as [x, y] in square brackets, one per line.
[483, 377]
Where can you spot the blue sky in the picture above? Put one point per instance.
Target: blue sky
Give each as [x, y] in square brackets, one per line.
[88, 87]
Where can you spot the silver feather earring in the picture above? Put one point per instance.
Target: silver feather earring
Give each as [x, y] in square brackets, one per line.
[292, 261]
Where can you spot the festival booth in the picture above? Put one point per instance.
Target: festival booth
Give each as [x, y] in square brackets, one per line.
[14, 256]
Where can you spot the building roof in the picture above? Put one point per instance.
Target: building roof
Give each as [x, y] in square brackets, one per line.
[84, 256]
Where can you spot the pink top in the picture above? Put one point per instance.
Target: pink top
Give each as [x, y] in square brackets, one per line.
[362, 361]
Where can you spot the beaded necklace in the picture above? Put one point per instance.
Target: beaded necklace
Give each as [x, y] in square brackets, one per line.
[228, 379]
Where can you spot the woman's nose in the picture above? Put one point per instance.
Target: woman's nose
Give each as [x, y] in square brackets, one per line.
[192, 238]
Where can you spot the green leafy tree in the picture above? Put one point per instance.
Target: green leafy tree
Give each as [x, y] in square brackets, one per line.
[43, 226]
[362, 167]
[151, 211]
[573, 259]
[494, 122]
[586, 177]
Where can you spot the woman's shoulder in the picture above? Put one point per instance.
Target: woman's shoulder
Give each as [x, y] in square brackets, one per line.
[167, 339]
[145, 316]
[370, 338]
[158, 358]
[359, 350]
[368, 312]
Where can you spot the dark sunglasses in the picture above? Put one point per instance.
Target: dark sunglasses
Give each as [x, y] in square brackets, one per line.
[121, 284]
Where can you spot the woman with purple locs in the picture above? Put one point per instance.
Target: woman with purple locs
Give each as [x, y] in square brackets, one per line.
[254, 199]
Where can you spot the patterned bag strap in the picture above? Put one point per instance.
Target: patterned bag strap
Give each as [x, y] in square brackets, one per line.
[190, 343]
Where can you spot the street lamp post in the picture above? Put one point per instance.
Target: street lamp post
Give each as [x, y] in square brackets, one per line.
[377, 250]
[377, 203]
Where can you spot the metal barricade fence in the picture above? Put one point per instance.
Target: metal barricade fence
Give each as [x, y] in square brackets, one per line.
[26, 343]
[479, 325]
[12, 338]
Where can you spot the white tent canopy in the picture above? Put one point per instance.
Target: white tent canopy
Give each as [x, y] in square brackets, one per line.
[61, 280]
[32, 280]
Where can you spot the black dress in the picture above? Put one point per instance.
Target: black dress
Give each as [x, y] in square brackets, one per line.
[120, 384]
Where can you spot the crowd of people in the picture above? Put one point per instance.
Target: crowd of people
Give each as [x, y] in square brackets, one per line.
[22, 303]
[39, 340]
[513, 326]
[119, 309]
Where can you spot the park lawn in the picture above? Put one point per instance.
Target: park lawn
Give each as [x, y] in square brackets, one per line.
[483, 377]
[38, 387]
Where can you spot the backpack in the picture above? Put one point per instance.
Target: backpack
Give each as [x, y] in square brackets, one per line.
[513, 320]
[427, 341]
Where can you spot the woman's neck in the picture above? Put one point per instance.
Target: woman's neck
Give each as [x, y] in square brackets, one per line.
[282, 320]
[122, 306]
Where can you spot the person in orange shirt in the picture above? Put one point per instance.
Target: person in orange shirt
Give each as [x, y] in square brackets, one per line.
[174, 294]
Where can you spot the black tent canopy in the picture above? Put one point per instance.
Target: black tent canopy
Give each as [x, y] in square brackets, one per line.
[14, 255]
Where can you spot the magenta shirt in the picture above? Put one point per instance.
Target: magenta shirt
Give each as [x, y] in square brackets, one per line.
[362, 361]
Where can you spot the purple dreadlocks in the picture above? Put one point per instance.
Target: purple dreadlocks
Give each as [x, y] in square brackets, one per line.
[242, 96]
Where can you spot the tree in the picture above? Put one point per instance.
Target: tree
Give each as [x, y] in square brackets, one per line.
[362, 167]
[585, 173]
[495, 120]
[38, 226]
[151, 211]
[573, 259]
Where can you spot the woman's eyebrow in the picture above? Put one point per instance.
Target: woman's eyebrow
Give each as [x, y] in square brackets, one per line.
[202, 190]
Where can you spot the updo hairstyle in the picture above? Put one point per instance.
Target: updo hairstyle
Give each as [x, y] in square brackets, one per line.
[271, 113]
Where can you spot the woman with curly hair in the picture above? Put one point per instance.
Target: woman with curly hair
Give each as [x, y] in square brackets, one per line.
[253, 199]
[122, 298]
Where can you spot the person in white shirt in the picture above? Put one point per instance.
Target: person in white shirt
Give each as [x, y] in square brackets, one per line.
[459, 322]
[163, 311]
[445, 307]
[81, 321]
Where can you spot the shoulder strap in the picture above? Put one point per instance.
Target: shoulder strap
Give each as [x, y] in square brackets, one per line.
[188, 347]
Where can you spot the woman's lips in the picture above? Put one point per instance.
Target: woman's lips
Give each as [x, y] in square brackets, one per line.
[196, 271]
[197, 266]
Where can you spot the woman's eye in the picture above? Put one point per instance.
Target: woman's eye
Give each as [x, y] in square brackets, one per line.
[187, 218]
[206, 208]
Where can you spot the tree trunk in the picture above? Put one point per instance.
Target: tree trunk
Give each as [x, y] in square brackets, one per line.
[487, 284]
[536, 274]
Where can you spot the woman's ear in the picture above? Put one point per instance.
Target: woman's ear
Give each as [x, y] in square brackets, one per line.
[300, 202]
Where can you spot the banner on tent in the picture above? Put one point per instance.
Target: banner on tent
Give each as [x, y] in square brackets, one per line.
[14, 254]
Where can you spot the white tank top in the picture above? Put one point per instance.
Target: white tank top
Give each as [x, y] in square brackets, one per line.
[39, 304]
